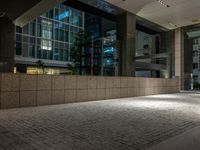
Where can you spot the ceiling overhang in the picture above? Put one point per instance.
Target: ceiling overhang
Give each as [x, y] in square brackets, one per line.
[133, 6]
[91, 6]
[14, 8]
[179, 13]
[23, 11]
[109, 11]
[170, 14]
[37, 10]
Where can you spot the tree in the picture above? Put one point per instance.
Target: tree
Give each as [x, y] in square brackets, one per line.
[76, 52]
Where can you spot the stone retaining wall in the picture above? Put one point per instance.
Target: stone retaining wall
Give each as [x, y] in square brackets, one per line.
[21, 90]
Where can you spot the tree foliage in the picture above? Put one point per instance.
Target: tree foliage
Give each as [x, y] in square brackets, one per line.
[76, 52]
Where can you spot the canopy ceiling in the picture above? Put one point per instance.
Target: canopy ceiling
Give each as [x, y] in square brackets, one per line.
[179, 13]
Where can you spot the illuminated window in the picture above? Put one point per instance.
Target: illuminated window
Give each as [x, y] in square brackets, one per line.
[46, 45]
[63, 15]
[46, 29]
[46, 34]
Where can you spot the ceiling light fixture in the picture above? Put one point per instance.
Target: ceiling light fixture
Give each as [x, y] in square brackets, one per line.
[195, 20]
[163, 3]
[172, 24]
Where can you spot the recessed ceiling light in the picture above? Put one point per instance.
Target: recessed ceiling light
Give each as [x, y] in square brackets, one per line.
[163, 3]
[195, 20]
[174, 25]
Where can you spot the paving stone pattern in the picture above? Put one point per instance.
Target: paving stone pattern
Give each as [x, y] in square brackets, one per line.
[121, 124]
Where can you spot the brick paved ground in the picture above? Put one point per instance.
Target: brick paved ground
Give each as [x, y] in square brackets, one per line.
[125, 124]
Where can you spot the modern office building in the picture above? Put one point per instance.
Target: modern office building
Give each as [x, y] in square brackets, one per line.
[101, 50]
[192, 38]
[44, 44]
[151, 55]
[196, 60]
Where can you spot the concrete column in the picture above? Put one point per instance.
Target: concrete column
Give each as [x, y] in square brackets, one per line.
[126, 31]
[188, 62]
[179, 59]
[168, 45]
[7, 45]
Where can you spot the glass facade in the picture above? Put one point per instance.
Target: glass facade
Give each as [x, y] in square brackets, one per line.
[101, 49]
[93, 25]
[152, 54]
[192, 58]
[50, 35]
[100, 57]
[110, 56]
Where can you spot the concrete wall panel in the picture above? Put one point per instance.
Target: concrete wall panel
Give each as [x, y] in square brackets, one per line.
[116, 82]
[109, 82]
[58, 82]
[82, 95]
[131, 82]
[101, 83]
[70, 96]
[116, 93]
[9, 100]
[92, 82]
[136, 82]
[28, 98]
[82, 82]
[124, 82]
[58, 97]
[131, 92]
[101, 94]
[92, 94]
[109, 93]
[124, 92]
[21, 90]
[28, 82]
[137, 91]
[10, 82]
[70, 82]
[43, 97]
[142, 91]
[44, 82]
[142, 82]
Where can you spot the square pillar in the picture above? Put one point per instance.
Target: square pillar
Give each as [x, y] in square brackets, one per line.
[126, 31]
[168, 45]
[179, 59]
[7, 45]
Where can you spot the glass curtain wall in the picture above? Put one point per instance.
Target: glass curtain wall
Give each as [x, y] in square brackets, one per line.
[50, 35]
[192, 58]
[153, 54]
[101, 48]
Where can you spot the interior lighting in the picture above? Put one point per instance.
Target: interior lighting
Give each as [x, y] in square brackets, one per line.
[163, 3]
[172, 24]
[63, 15]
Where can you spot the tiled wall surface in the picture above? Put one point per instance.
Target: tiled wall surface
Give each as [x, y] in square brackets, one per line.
[21, 90]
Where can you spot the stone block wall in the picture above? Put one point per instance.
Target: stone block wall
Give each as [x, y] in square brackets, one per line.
[22, 90]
